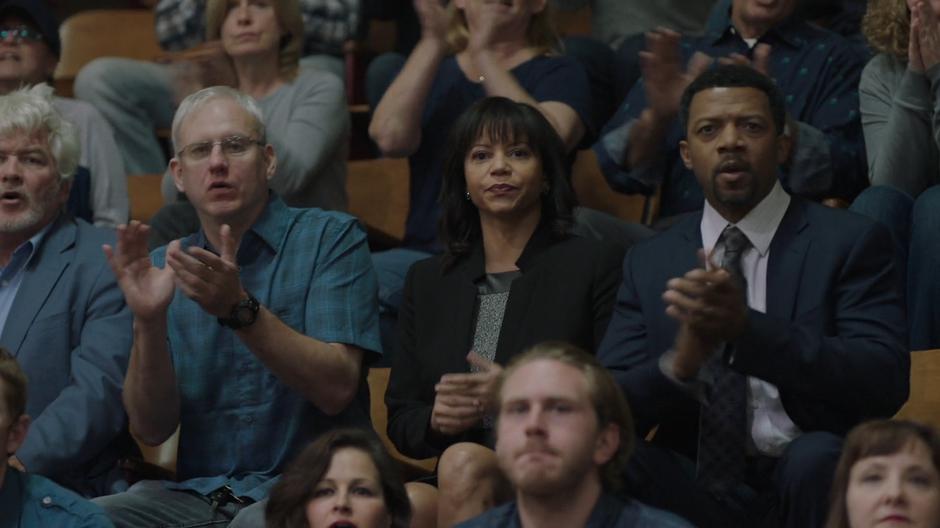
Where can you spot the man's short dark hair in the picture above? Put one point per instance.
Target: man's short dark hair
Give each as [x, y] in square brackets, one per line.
[735, 76]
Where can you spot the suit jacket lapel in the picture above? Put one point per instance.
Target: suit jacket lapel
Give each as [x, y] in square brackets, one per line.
[461, 318]
[690, 230]
[787, 254]
[41, 275]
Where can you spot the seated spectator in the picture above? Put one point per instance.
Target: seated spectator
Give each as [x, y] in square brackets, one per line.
[564, 433]
[345, 476]
[468, 51]
[249, 335]
[889, 474]
[610, 56]
[900, 95]
[305, 110]
[780, 327]
[511, 276]
[817, 71]
[29, 499]
[138, 97]
[30, 52]
[61, 312]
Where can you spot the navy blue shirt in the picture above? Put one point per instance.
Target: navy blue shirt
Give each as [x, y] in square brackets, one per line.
[608, 512]
[545, 78]
[818, 73]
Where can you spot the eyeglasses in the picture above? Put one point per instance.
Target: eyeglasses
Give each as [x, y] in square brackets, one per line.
[232, 146]
[21, 33]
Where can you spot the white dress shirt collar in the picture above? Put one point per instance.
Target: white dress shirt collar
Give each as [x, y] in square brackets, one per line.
[760, 224]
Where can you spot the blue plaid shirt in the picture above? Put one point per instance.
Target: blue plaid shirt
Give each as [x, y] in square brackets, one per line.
[181, 24]
[818, 74]
[239, 424]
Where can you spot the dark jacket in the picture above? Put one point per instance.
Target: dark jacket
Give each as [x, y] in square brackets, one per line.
[565, 293]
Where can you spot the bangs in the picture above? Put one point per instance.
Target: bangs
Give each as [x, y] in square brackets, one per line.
[503, 128]
[890, 437]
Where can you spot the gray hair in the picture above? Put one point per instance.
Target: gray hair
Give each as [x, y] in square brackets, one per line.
[31, 111]
[197, 100]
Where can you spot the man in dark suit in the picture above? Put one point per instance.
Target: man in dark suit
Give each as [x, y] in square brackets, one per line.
[754, 333]
[61, 313]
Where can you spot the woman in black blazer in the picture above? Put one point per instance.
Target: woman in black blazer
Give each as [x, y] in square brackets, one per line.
[510, 277]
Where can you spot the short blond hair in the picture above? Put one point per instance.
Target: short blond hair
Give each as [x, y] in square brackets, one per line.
[288, 17]
[610, 405]
[540, 34]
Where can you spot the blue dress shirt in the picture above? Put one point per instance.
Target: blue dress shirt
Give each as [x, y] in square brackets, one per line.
[11, 275]
[32, 501]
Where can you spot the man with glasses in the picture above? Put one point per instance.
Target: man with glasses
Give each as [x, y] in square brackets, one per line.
[29, 53]
[249, 335]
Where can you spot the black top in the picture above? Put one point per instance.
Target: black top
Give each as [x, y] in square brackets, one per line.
[565, 292]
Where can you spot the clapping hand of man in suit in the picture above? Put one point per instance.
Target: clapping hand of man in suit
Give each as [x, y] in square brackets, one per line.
[711, 307]
[461, 400]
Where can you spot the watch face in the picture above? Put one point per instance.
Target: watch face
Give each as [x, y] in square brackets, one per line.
[245, 315]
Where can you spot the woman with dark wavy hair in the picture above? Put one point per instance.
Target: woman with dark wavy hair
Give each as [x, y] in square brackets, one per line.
[511, 276]
[344, 476]
[888, 475]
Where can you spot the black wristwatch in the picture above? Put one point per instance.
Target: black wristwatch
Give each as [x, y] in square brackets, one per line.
[244, 313]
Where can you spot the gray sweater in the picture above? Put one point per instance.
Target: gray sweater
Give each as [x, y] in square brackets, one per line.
[900, 120]
[307, 121]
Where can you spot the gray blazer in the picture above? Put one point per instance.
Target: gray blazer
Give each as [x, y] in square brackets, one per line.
[70, 330]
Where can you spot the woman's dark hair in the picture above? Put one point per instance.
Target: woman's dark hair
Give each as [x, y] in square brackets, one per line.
[501, 120]
[875, 438]
[287, 503]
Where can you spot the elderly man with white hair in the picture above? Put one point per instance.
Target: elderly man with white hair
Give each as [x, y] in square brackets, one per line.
[61, 313]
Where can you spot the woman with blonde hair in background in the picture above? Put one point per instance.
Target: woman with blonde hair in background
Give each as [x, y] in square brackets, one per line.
[304, 110]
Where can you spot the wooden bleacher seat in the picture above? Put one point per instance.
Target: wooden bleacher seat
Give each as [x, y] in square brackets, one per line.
[593, 191]
[88, 35]
[378, 383]
[923, 405]
[143, 191]
[378, 195]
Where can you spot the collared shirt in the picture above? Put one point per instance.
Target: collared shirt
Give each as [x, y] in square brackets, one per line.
[771, 429]
[818, 74]
[239, 423]
[11, 275]
[328, 24]
[28, 500]
[608, 512]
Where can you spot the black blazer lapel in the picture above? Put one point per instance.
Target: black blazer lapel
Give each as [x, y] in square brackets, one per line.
[461, 318]
[41, 276]
[787, 256]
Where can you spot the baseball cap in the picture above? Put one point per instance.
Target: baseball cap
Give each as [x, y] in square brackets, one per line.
[41, 16]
